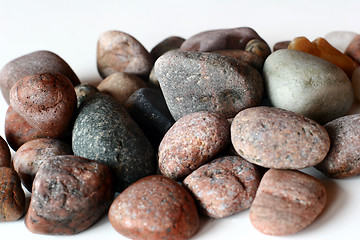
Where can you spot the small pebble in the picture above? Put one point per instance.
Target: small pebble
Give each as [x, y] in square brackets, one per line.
[170, 43]
[340, 39]
[156, 208]
[5, 155]
[353, 50]
[225, 186]
[281, 45]
[84, 90]
[259, 47]
[286, 202]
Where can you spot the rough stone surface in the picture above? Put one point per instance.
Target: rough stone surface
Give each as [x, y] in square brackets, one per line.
[224, 186]
[5, 155]
[244, 57]
[149, 110]
[342, 159]
[307, 85]
[191, 142]
[259, 47]
[105, 132]
[157, 208]
[69, 195]
[277, 138]
[120, 52]
[353, 50]
[170, 43]
[286, 202]
[12, 197]
[29, 157]
[34, 63]
[197, 81]
[121, 85]
[220, 39]
[46, 101]
[84, 90]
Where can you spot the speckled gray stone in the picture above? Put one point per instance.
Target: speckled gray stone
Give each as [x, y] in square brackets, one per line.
[201, 81]
[105, 132]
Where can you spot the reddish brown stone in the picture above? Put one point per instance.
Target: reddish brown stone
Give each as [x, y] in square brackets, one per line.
[156, 208]
[69, 195]
[12, 197]
[5, 155]
[353, 50]
[281, 45]
[244, 57]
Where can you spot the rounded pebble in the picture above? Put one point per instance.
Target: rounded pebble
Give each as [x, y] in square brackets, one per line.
[5, 155]
[281, 45]
[169, 43]
[259, 47]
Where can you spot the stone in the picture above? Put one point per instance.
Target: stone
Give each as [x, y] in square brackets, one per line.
[281, 45]
[225, 186]
[69, 195]
[277, 138]
[120, 52]
[355, 81]
[121, 85]
[46, 101]
[321, 48]
[220, 39]
[192, 141]
[342, 159]
[259, 47]
[308, 85]
[153, 79]
[29, 157]
[287, 201]
[155, 207]
[244, 57]
[12, 196]
[103, 131]
[149, 110]
[34, 63]
[198, 81]
[340, 39]
[353, 50]
[169, 43]
[5, 155]
[84, 90]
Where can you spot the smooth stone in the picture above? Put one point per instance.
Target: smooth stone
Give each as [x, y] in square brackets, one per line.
[277, 138]
[308, 85]
[225, 186]
[286, 202]
[200, 81]
[342, 159]
[220, 39]
[244, 57]
[353, 50]
[192, 141]
[355, 81]
[104, 131]
[149, 110]
[84, 90]
[34, 63]
[259, 47]
[12, 196]
[156, 208]
[29, 157]
[169, 43]
[281, 45]
[120, 52]
[46, 101]
[121, 85]
[69, 195]
[340, 39]
[5, 155]
[153, 79]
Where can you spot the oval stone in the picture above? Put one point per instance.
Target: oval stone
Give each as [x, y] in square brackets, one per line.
[105, 132]
[286, 202]
[5, 155]
[155, 207]
[198, 81]
[308, 85]
[191, 142]
[277, 138]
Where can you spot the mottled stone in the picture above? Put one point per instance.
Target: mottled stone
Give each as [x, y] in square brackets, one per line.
[244, 57]
[277, 138]
[342, 161]
[259, 47]
[105, 132]
[281, 45]
[121, 85]
[170, 43]
[191, 142]
[286, 202]
[220, 39]
[308, 85]
[198, 81]
[353, 50]
[29, 157]
[120, 52]
[224, 186]
[84, 90]
[69, 195]
[149, 110]
[340, 39]
[5, 155]
[154, 207]
[46, 101]
[12, 197]
[34, 63]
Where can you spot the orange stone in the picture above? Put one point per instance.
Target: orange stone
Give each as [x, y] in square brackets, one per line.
[323, 49]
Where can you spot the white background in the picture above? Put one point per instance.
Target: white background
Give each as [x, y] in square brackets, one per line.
[71, 28]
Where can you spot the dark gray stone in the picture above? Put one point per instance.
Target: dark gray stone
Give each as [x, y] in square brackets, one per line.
[165, 45]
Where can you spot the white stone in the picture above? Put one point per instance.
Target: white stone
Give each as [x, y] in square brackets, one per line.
[340, 39]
